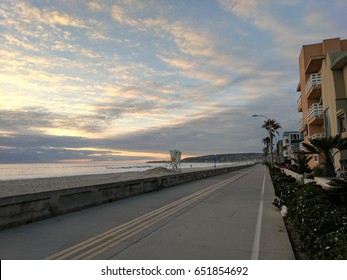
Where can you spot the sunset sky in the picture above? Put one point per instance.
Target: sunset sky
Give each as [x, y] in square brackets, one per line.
[119, 80]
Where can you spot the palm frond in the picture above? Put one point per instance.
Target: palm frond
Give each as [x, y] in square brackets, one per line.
[272, 126]
[310, 148]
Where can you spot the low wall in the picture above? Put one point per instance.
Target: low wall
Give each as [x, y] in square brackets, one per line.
[27, 208]
[300, 179]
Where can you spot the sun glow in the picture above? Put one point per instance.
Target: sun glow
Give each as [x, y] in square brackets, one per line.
[99, 152]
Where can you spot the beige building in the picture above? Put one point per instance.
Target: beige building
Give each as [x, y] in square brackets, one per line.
[323, 98]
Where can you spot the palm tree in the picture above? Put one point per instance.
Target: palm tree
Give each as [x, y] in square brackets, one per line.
[266, 142]
[302, 162]
[272, 126]
[327, 147]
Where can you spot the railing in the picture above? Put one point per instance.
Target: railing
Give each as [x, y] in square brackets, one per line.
[301, 146]
[317, 136]
[315, 110]
[315, 81]
[299, 105]
[300, 125]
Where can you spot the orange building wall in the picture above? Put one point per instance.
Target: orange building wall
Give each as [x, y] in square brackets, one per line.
[310, 61]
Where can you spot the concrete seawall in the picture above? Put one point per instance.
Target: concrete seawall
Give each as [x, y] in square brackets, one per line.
[26, 208]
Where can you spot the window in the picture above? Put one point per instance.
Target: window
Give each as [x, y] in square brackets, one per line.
[341, 123]
[294, 136]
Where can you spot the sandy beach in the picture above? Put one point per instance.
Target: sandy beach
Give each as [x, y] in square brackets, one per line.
[26, 186]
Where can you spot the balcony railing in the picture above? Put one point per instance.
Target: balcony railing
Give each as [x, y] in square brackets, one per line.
[299, 105]
[300, 125]
[317, 136]
[315, 110]
[314, 81]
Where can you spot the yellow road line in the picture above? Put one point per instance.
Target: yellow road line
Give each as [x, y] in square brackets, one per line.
[102, 242]
[126, 235]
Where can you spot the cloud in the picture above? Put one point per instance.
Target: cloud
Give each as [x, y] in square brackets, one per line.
[289, 26]
[119, 15]
[243, 8]
[193, 137]
[45, 16]
[55, 17]
[178, 63]
[12, 40]
[36, 120]
[134, 76]
[215, 130]
[130, 106]
[196, 45]
[95, 6]
[260, 14]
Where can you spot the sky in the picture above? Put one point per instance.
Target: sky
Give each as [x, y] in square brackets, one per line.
[129, 80]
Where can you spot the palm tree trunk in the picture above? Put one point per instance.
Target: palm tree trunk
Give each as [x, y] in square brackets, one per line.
[330, 168]
[271, 158]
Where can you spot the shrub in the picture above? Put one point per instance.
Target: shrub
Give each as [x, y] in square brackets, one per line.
[318, 216]
[284, 186]
[319, 171]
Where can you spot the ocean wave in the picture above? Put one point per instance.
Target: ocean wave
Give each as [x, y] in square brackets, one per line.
[130, 167]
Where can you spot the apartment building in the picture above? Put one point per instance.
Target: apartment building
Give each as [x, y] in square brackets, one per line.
[323, 93]
[291, 141]
[288, 147]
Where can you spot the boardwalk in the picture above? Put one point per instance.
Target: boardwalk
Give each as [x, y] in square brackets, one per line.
[224, 217]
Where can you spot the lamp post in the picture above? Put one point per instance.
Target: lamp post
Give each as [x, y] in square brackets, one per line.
[270, 135]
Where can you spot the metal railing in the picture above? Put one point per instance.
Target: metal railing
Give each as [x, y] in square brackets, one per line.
[317, 136]
[314, 81]
[315, 110]
[298, 103]
[300, 124]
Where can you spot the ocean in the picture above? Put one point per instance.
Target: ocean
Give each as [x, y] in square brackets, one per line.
[46, 170]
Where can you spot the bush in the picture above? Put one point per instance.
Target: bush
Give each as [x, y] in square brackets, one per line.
[285, 187]
[319, 171]
[318, 216]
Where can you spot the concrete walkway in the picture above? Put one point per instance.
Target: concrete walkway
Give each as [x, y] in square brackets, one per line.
[275, 243]
[229, 216]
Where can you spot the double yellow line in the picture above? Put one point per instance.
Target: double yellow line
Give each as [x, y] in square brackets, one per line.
[98, 244]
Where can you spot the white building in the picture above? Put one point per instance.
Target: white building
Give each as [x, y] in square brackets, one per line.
[290, 142]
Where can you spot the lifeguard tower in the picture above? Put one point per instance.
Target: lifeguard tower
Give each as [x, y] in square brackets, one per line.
[175, 163]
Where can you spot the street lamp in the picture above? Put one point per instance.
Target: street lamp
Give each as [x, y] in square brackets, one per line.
[261, 116]
[270, 135]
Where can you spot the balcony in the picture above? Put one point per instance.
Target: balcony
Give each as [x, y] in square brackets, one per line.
[299, 104]
[317, 136]
[313, 86]
[301, 125]
[314, 64]
[315, 114]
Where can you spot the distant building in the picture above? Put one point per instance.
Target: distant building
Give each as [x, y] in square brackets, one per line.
[323, 93]
[280, 152]
[291, 144]
[288, 147]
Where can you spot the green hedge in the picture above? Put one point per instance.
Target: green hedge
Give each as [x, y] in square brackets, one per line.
[317, 216]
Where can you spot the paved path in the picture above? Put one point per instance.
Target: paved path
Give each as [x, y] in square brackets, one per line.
[223, 217]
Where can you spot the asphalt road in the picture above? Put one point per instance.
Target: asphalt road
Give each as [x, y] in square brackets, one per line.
[223, 217]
